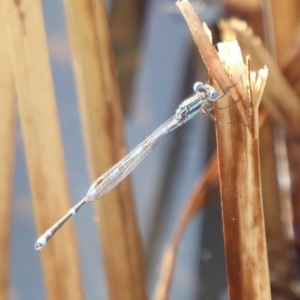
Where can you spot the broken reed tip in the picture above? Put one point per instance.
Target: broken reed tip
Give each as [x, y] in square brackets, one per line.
[250, 84]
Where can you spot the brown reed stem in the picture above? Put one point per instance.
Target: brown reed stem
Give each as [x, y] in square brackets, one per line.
[285, 113]
[7, 134]
[104, 138]
[243, 222]
[43, 146]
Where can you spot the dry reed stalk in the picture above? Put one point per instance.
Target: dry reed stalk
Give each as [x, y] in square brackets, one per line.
[274, 231]
[239, 171]
[244, 233]
[285, 108]
[277, 88]
[287, 147]
[43, 147]
[7, 134]
[291, 69]
[194, 204]
[104, 138]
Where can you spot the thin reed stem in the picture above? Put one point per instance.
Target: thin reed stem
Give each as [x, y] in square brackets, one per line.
[43, 145]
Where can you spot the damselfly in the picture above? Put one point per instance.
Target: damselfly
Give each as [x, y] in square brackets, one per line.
[201, 100]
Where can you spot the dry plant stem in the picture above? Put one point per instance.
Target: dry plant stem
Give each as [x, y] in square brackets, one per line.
[104, 138]
[268, 24]
[288, 148]
[275, 201]
[243, 220]
[278, 248]
[277, 88]
[195, 203]
[43, 147]
[244, 233]
[291, 67]
[169, 259]
[7, 130]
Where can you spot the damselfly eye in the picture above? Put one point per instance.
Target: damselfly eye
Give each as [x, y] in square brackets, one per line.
[213, 95]
[197, 86]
